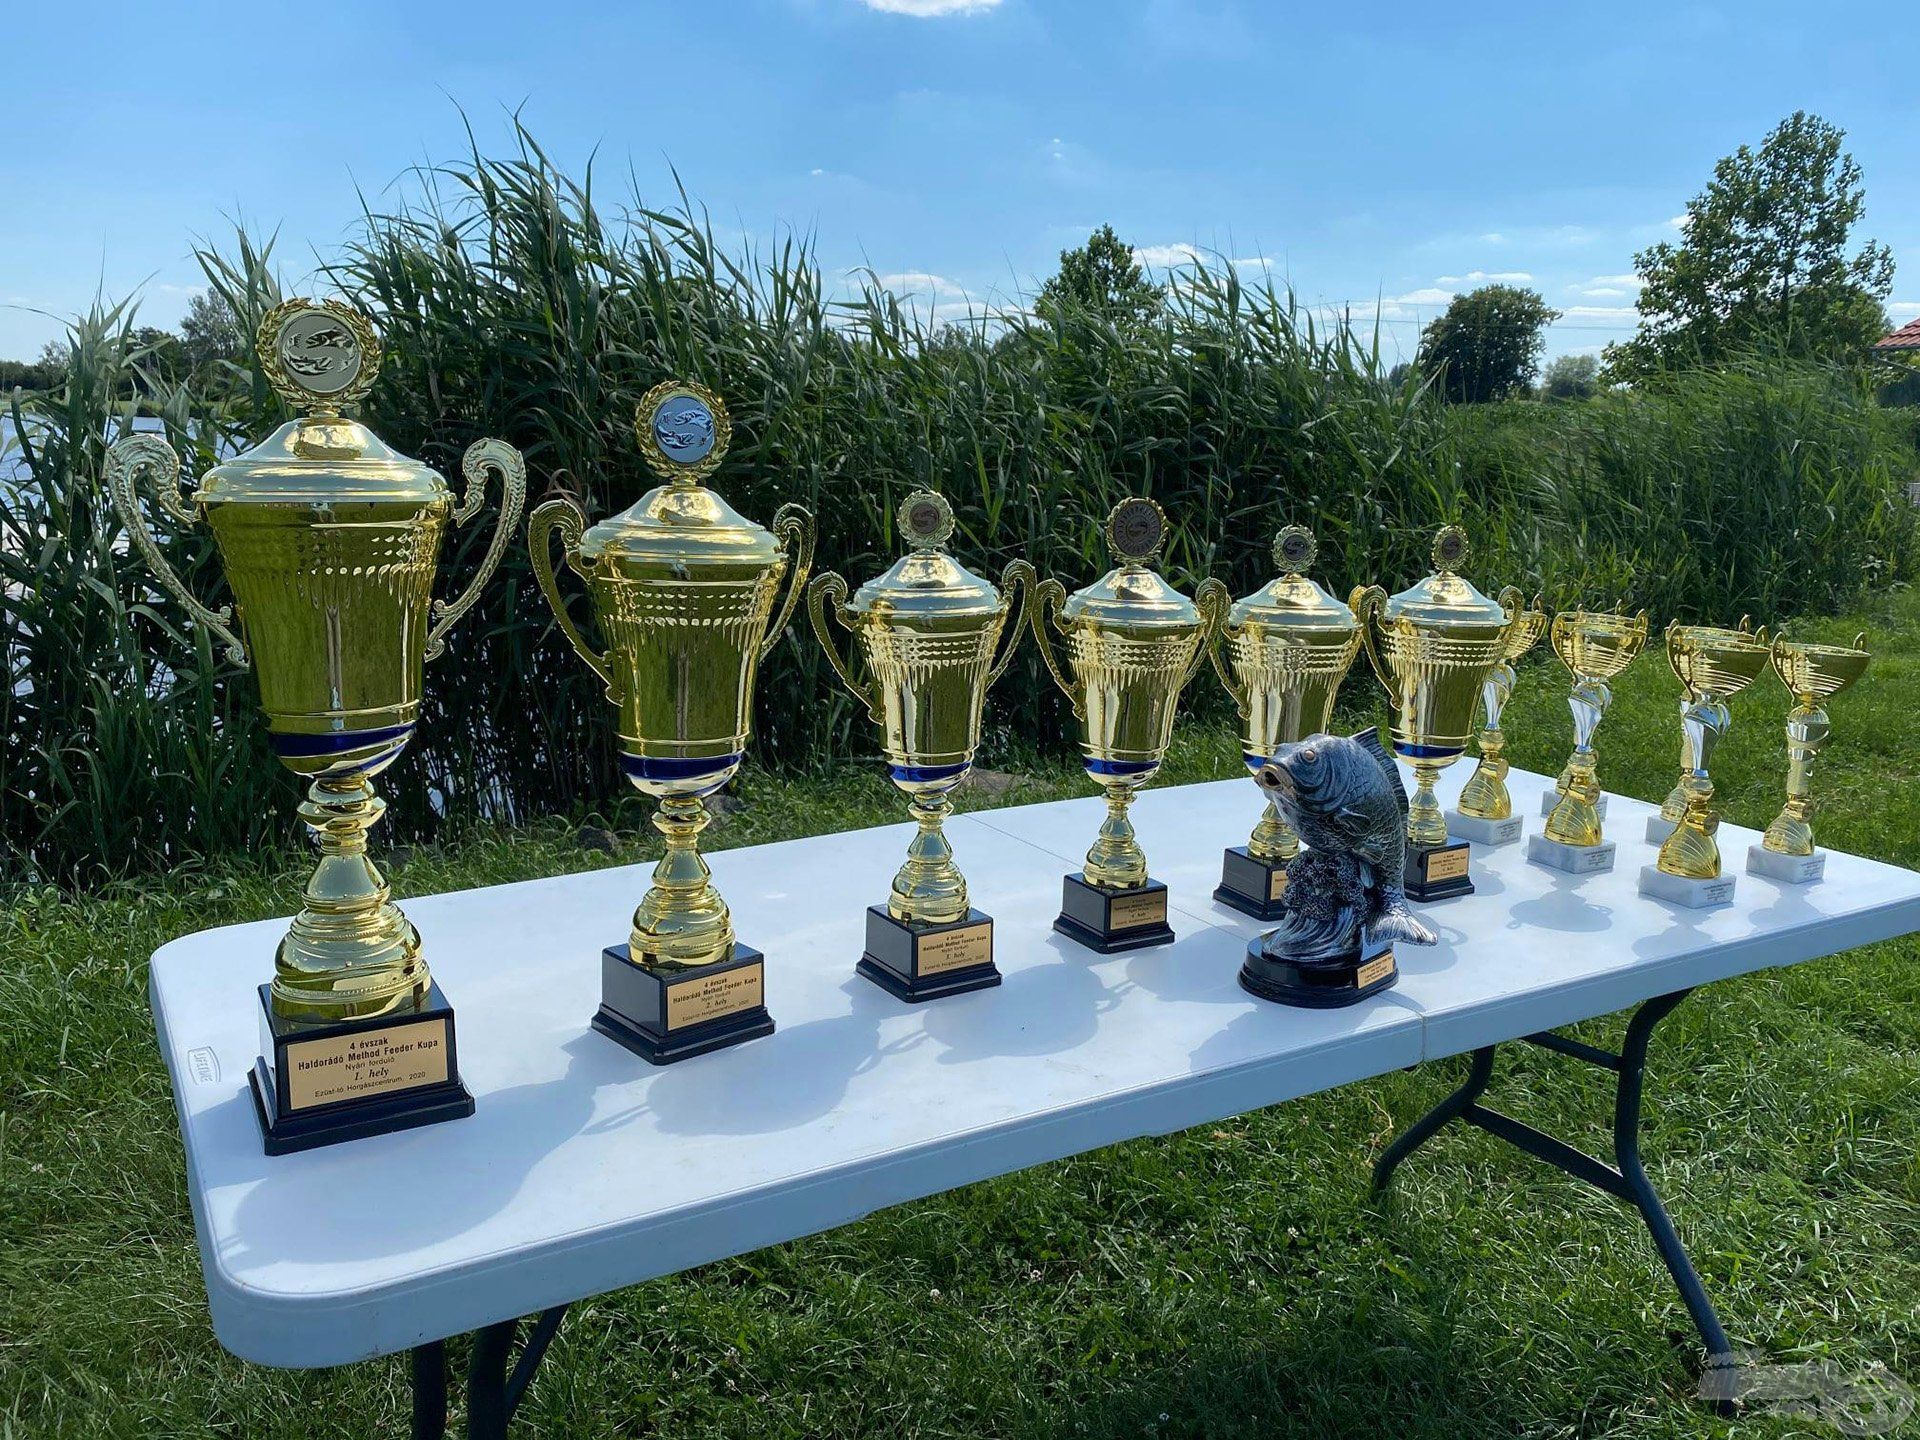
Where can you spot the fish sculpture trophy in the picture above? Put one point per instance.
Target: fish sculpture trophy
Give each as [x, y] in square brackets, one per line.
[1286, 649]
[1343, 908]
[1713, 665]
[330, 541]
[930, 633]
[684, 590]
[1813, 675]
[1485, 810]
[1132, 642]
[1595, 646]
[1432, 647]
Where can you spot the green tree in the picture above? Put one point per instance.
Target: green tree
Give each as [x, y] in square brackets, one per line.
[1102, 276]
[1571, 377]
[210, 332]
[1765, 263]
[1487, 344]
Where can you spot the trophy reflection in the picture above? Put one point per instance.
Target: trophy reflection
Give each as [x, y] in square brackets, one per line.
[1485, 810]
[1595, 646]
[1813, 675]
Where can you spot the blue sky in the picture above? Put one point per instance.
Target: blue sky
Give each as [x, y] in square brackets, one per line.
[1363, 152]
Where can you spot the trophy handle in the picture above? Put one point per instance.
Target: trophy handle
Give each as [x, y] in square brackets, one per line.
[125, 461]
[1365, 602]
[1017, 581]
[482, 456]
[831, 588]
[1213, 602]
[1223, 670]
[1051, 595]
[563, 515]
[794, 525]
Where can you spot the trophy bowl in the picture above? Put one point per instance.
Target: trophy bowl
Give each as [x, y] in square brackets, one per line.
[1712, 664]
[1813, 675]
[1595, 646]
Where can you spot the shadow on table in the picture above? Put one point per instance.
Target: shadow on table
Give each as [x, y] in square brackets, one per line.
[1564, 907]
[1044, 1006]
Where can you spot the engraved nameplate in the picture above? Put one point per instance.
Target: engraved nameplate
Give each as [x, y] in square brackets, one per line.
[1788, 869]
[690, 1002]
[1276, 884]
[1484, 832]
[959, 949]
[1571, 859]
[1128, 912]
[366, 1062]
[1447, 864]
[1377, 968]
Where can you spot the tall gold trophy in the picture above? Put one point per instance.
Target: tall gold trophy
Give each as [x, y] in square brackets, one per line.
[1433, 647]
[1484, 813]
[1713, 665]
[1813, 675]
[929, 632]
[330, 542]
[683, 590]
[1595, 646]
[1286, 649]
[1132, 642]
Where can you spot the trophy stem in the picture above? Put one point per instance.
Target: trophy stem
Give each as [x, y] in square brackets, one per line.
[1576, 819]
[1791, 832]
[929, 889]
[1691, 850]
[1273, 839]
[1485, 796]
[682, 922]
[349, 953]
[1426, 825]
[1116, 861]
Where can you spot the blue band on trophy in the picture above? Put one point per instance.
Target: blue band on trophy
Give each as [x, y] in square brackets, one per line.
[337, 742]
[1407, 750]
[1255, 763]
[1120, 767]
[922, 774]
[667, 767]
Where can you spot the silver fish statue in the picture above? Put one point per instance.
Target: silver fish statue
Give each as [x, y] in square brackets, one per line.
[1344, 798]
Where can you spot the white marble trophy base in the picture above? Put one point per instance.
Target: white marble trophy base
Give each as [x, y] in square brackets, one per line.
[1682, 890]
[1550, 797]
[1573, 859]
[1483, 832]
[1658, 828]
[1787, 869]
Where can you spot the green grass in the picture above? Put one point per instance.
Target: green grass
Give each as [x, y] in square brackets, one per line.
[1232, 1280]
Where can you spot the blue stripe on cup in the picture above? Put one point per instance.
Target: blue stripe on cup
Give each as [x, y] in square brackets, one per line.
[1410, 751]
[924, 774]
[1120, 768]
[672, 770]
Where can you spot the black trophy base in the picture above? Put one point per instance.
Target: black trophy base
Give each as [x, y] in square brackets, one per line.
[667, 1017]
[1251, 885]
[1110, 921]
[928, 962]
[318, 1085]
[1439, 872]
[1319, 986]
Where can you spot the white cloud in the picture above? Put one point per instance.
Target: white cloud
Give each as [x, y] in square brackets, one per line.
[1475, 277]
[1494, 237]
[921, 280]
[1426, 295]
[1164, 257]
[1678, 222]
[1903, 307]
[927, 9]
[1624, 314]
[1253, 262]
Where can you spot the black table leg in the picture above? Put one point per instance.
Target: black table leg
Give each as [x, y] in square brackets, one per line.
[494, 1391]
[1628, 1182]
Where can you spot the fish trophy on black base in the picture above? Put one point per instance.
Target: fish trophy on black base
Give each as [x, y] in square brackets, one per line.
[1343, 907]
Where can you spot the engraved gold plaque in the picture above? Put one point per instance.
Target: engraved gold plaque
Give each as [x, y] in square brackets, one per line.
[1130, 911]
[959, 949]
[693, 1001]
[1276, 884]
[1447, 864]
[364, 1063]
[1377, 968]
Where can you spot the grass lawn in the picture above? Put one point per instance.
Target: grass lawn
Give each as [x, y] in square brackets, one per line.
[1232, 1280]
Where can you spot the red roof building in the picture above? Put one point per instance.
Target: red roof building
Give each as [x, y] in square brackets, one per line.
[1907, 337]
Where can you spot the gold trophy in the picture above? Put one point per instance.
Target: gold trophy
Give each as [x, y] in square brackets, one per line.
[1712, 665]
[1813, 675]
[683, 590]
[929, 632]
[1595, 646]
[1485, 811]
[1433, 646]
[1133, 642]
[1287, 648]
[330, 542]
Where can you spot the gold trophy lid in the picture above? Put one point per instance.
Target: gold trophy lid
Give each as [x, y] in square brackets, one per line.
[683, 431]
[320, 356]
[1292, 601]
[1445, 600]
[1132, 595]
[926, 580]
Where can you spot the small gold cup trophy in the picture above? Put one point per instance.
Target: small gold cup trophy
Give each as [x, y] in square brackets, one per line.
[1484, 814]
[683, 590]
[1595, 646]
[1287, 648]
[1132, 642]
[1813, 675]
[330, 542]
[928, 631]
[1433, 647]
[1712, 665]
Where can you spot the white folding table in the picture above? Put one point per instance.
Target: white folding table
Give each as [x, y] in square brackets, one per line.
[585, 1170]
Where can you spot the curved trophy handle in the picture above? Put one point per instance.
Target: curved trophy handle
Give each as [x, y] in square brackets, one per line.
[1051, 595]
[482, 456]
[125, 461]
[563, 515]
[1365, 602]
[830, 588]
[1223, 668]
[1213, 602]
[794, 525]
[1017, 581]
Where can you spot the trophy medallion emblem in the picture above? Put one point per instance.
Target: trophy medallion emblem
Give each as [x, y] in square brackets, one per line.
[929, 640]
[1813, 675]
[684, 592]
[1595, 646]
[330, 542]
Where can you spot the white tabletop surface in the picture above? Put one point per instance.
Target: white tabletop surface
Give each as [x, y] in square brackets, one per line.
[585, 1169]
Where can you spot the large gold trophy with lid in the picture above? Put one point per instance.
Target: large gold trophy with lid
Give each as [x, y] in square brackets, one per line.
[1595, 646]
[1132, 643]
[1485, 810]
[330, 541]
[1813, 675]
[1281, 655]
[1432, 647]
[684, 591]
[929, 635]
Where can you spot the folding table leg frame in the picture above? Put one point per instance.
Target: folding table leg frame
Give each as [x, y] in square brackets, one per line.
[1628, 1182]
[494, 1390]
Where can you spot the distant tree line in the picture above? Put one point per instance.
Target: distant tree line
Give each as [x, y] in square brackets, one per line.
[209, 336]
